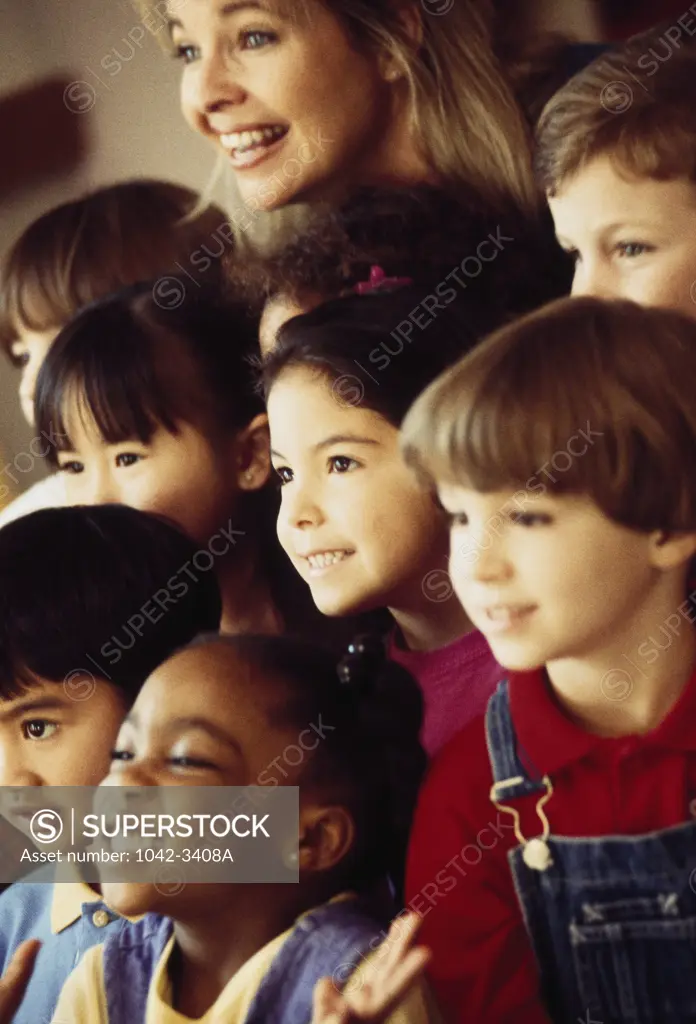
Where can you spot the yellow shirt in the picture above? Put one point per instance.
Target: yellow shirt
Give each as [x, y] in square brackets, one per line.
[83, 999]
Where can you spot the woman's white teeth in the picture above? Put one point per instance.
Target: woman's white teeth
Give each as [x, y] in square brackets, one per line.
[240, 142]
[326, 558]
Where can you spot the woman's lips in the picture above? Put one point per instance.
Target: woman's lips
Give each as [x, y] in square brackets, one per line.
[251, 147]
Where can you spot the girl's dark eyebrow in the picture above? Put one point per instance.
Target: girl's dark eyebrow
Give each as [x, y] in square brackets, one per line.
[328, 442]
[35, 704]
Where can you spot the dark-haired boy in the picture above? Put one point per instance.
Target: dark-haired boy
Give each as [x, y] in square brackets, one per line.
[70, 581]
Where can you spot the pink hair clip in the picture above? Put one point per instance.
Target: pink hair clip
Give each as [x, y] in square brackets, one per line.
[378, 279]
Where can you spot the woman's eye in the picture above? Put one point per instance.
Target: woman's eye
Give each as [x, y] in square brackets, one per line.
[256, 39]
[632, 249]
[38, 729]
[342, 464]
[186, 53]
[73, 466]
[126, 459]
[284, 475]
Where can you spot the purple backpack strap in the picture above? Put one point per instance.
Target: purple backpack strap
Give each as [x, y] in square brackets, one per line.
[331, 940]
[130, 957]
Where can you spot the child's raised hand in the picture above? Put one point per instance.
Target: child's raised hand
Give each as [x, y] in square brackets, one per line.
[16, 978]
[395, 968]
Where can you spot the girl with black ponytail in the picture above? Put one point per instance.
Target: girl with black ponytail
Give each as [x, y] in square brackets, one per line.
[250, 710]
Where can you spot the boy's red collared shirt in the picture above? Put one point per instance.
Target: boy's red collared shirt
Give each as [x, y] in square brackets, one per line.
[483, 968]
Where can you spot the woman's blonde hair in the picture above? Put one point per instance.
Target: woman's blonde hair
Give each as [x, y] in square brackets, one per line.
[466, 118]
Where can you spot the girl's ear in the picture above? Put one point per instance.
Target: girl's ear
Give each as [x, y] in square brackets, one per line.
[671, 550]
[327, 835]
[253, 451]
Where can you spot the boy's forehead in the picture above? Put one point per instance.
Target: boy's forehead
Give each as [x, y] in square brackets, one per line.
[602, 191]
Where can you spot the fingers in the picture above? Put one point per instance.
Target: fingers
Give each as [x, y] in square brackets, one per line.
[328, 1006]
[405, 974]
[15, 979]
[404, 929]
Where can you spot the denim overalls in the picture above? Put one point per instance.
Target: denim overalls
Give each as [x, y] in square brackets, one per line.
[612, 920]
[331, 940]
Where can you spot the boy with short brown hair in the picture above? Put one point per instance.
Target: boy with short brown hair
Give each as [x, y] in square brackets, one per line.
[617, 160]
[553, 846]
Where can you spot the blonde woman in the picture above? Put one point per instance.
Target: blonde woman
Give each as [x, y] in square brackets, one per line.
[306, 99]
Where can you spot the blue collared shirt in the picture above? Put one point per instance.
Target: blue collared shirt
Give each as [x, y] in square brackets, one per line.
[68, 918]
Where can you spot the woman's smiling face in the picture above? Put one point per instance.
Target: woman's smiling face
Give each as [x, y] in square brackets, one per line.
[280, 89]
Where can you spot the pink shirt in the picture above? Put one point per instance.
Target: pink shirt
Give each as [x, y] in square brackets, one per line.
[456, 681]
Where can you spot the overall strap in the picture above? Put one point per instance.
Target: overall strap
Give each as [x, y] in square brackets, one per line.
[331, 940]
[511, 777]
[511, 780]
[130, 958]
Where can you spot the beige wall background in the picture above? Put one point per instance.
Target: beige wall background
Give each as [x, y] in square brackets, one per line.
[129, 88]
[126, 93]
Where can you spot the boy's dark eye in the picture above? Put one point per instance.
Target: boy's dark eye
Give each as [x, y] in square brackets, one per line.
[121, 755]
[255, 40]
[73, 466]
[632, 249]
[38, 729]
[127, 459]
[186, 53]
[341, 464]
[284, 475]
